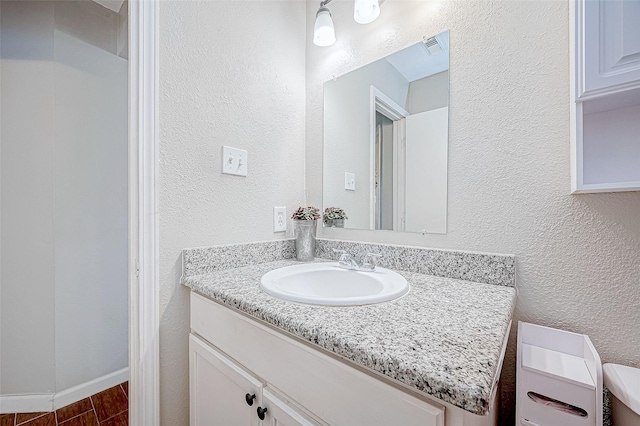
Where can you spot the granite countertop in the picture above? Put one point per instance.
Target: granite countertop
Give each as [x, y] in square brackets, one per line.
[443, 338]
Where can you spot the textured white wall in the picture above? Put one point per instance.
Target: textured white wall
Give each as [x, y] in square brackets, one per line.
[578, 257]
[231, 73]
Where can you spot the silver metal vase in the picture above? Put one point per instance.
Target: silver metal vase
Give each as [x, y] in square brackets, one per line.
[305, 234]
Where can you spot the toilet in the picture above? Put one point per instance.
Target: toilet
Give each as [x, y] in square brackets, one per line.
[624, 386]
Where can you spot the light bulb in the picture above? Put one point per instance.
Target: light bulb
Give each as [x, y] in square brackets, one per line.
[323, 32]
[365, 11]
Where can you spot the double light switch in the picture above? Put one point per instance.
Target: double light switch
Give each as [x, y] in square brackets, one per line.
[234, 161]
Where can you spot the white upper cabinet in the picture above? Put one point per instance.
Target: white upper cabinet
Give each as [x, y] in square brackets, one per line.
[605, 100]
[609, 54]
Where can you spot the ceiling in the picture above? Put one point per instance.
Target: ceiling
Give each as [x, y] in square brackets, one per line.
[415, 63]
[114, 5]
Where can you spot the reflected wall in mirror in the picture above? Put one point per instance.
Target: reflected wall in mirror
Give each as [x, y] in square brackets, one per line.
[386, 129]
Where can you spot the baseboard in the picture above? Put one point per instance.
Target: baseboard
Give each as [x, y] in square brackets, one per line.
[51, 402]
[84, 390]
[26, 403]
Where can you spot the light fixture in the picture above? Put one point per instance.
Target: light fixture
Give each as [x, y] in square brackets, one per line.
[365, 11]
[323, 32]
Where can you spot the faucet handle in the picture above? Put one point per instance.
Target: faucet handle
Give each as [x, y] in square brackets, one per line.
[370, 261]
[345, 260]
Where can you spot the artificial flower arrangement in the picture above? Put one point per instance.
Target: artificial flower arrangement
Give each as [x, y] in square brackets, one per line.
[331, 213]
[306, 213]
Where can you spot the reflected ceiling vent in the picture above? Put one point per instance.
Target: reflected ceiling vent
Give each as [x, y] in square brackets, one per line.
[433, 45]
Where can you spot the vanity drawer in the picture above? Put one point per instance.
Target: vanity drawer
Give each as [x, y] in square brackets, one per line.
[330, 389]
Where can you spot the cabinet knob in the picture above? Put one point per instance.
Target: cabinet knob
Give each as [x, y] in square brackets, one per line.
[249, 398]
[262, 412]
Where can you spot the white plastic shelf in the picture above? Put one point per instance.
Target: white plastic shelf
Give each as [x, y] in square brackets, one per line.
[558, 378]
[557, 365]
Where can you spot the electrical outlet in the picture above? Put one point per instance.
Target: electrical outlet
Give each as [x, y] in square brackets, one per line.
[349, 181]
[279, 219]
[234, 161]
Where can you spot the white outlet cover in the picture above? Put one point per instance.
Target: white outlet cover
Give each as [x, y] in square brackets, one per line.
[349, 181]
[279, 219]
[234, 161]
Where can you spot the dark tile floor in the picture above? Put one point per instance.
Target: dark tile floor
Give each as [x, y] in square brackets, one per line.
[106, 408]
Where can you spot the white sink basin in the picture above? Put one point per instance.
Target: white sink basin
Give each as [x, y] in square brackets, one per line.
[328, 284]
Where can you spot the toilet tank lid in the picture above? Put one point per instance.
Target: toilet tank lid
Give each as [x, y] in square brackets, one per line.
[624, 383]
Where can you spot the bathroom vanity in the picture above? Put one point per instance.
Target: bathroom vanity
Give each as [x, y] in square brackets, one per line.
[431, 357]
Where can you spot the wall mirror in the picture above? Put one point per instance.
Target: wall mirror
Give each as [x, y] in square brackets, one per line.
[386, 130]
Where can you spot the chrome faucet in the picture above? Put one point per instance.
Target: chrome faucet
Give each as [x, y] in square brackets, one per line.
[347, 261]
[370, 262]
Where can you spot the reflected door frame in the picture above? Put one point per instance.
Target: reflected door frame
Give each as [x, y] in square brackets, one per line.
[379, 102]
[144, 377]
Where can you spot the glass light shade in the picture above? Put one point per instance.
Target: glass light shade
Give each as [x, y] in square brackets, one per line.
[323, 32]
[366, 11]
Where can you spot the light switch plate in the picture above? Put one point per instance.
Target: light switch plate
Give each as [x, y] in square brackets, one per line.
[349, 181]
[279, 219]
[234, 161]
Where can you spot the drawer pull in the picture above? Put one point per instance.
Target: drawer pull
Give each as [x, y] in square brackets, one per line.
[261, 412]
[249, 398]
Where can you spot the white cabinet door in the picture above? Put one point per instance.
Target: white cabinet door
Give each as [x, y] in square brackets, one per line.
[281, 413]
[218, 389]
[608, 46]
[605, 105]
